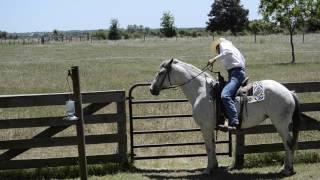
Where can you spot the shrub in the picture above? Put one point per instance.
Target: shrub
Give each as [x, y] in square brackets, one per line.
[114, 33]
[100, 34]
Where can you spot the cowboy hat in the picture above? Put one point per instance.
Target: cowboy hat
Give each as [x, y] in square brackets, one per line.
[215, 43]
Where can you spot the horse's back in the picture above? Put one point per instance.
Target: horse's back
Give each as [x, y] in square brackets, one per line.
[277, 103]
[274, 88]
[278, 98]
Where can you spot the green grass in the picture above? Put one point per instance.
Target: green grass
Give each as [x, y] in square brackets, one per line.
[117, 65]
[268, 172]
[68, 172]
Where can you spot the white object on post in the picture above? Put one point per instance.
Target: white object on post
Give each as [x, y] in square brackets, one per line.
[70, 111]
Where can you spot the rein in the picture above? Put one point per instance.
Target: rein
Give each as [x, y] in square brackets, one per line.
[203, 70]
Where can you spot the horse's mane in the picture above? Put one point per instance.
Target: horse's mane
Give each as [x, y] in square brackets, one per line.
[192, 68]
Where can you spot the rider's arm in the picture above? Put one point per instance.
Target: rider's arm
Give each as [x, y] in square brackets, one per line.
[222, 55]
[219, 57]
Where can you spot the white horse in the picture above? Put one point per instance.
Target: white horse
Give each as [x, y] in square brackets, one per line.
[280, 105]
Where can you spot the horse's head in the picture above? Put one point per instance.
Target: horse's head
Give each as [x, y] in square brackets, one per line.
[162, 79]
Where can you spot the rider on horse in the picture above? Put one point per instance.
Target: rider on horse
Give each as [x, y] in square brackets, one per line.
[234, 63]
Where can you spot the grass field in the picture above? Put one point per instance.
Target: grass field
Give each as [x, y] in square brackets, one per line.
[107, 65]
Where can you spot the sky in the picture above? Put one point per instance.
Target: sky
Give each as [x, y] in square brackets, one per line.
[47, 15]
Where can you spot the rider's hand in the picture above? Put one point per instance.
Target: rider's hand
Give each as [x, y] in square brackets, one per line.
[211, 61]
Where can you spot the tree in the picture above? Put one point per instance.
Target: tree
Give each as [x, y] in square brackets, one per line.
[56, 35]
[254, 27]
[258, 26]
[114, 33]
[227, 15]
[3, 34]
[167, 25]
[147, 31]
[136, 31]
[100, 34]
[314, 22]
[288, 13]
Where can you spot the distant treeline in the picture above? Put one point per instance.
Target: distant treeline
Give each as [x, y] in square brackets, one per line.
[255, 27]
[139, 32]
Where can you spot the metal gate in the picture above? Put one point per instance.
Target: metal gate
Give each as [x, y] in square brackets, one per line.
[134, 133]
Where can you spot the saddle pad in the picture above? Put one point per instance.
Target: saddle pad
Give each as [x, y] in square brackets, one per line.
[258, 92]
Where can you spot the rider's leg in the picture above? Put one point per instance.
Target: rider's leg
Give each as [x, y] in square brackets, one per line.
[228, 93]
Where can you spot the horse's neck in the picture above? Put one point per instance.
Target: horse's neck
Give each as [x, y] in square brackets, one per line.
[190, 92]
[192, 89]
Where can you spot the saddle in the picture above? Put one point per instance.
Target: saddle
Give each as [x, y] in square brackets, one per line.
[244, 90]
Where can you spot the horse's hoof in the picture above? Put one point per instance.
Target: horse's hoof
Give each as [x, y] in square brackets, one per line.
[234, 167]
[231, 168]
[207, 171]
[287, 171]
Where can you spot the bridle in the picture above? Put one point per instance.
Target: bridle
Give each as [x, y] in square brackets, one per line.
[168, 69]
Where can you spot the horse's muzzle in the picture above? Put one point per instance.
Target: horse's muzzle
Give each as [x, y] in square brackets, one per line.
[154, 92]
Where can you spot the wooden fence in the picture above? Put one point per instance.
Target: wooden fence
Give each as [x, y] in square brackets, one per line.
[307, 124]
[96, 101]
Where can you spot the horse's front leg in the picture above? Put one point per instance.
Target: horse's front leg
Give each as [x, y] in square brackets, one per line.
[208, 136]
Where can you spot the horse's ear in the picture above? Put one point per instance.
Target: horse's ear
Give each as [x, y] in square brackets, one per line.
[170, 62]
[168, 65]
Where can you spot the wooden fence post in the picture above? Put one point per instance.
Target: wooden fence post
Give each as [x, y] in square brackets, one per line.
[80, 123]
[122, 130]
[238, 152]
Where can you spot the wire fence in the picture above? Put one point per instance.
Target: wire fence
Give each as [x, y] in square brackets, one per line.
[259, 39]
[46, 40]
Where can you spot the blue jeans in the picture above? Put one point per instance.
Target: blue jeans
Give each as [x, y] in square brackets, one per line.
[236, 76]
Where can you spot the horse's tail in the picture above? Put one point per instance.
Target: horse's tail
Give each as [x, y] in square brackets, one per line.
[296, 118]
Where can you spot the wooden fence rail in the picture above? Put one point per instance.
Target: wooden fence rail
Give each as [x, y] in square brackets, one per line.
[95, 100]
[307, 124]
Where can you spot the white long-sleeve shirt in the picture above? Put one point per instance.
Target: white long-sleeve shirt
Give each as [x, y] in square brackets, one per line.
[230, 56]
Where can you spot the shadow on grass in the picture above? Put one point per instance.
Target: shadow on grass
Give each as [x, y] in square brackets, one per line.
[65, 172]
[71, 172]
[252, 161]
[276, 158]
[295, 64]
[220, 173]
[280, 64]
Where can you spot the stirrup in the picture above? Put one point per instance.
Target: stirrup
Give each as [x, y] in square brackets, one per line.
[245, 81]
[225, 128]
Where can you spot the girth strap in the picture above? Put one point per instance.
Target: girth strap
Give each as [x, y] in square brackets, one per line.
[243, 103]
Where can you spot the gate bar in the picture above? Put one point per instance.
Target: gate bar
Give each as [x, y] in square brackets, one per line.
[174, 156]
[162, 116]
[158, 101]
[167, 131]
[175, 144]
[167, 144]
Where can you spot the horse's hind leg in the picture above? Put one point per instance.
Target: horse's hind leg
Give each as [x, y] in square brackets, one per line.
[282, 126]
[208, 136]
